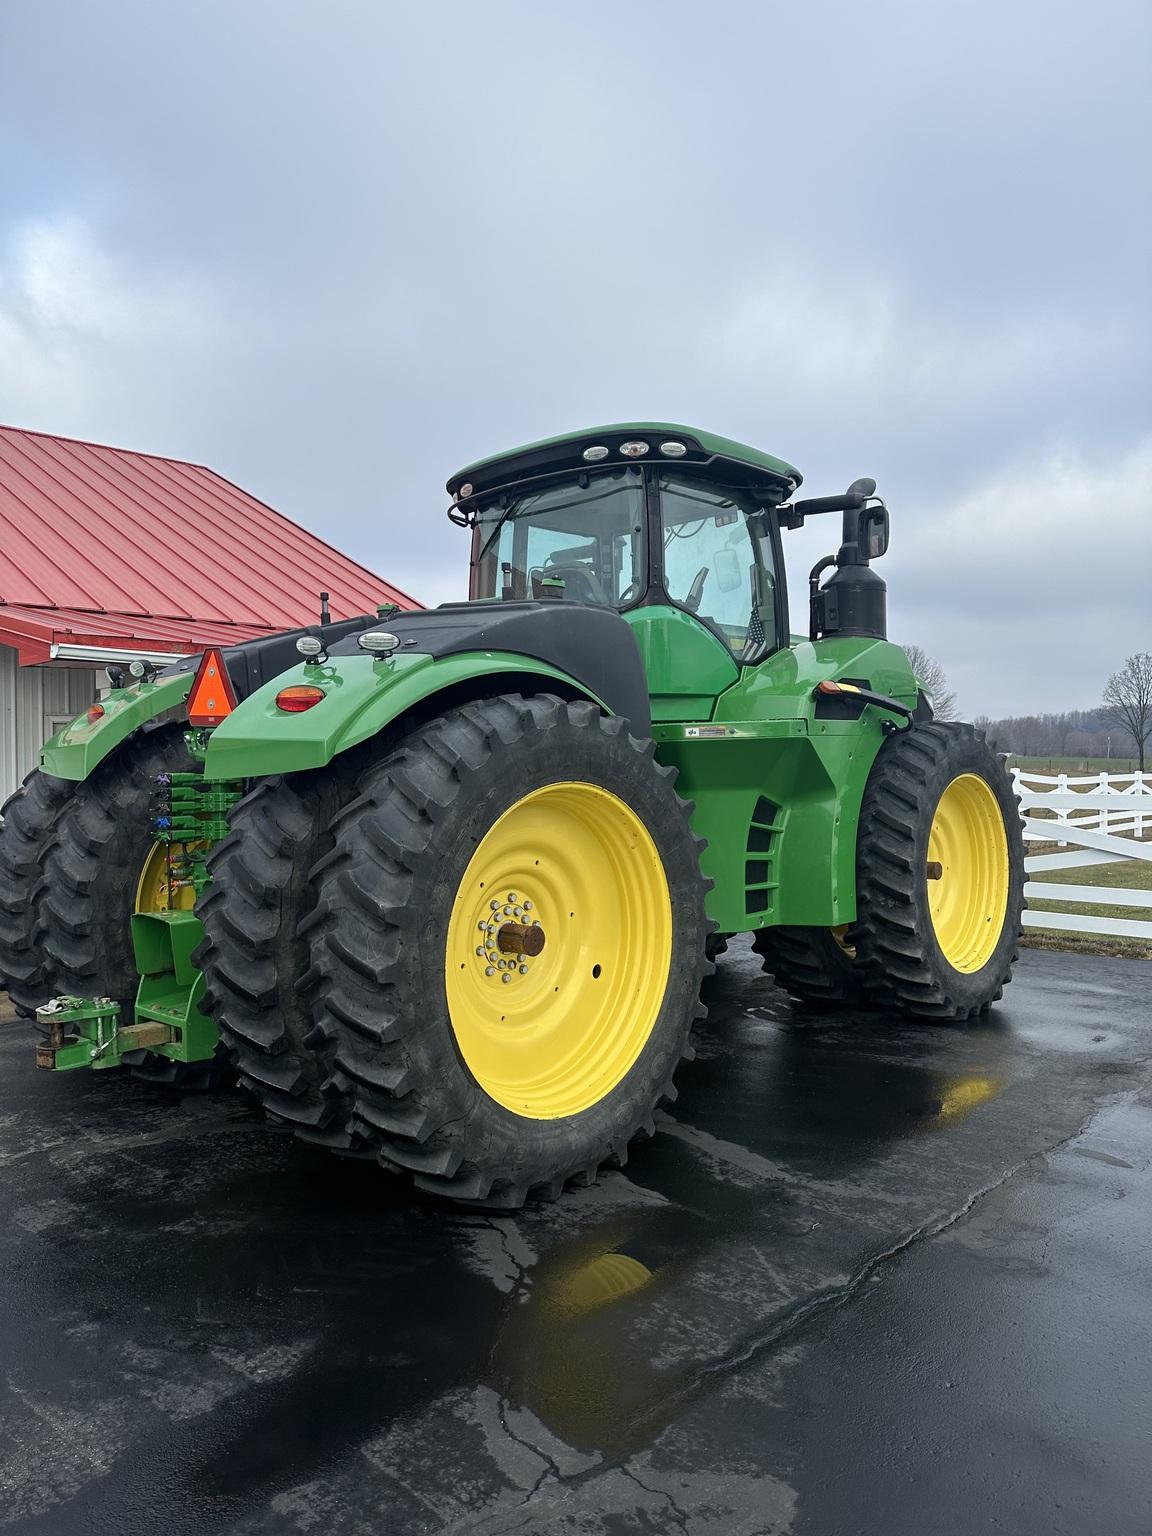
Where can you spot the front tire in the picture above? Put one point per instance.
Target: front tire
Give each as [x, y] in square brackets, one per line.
[493, 1076]
[940, 874]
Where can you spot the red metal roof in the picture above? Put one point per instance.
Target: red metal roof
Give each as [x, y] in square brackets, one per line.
[129, 547]
[34, 631]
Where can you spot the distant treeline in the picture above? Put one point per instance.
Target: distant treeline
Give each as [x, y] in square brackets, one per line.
[1076, 733]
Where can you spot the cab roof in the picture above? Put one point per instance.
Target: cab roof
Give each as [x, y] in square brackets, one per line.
[554, 454]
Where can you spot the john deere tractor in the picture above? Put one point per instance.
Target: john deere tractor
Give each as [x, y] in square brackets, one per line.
[444, 885]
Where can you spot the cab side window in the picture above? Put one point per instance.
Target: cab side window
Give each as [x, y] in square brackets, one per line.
[588, 535]
[715, 565]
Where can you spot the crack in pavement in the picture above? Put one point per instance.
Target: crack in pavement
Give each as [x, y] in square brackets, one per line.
[782, 1329]
[82, 1145]
[680, 1515]
[797, 1317]
[501, 1230]
[483, 1521]
[550, 1465]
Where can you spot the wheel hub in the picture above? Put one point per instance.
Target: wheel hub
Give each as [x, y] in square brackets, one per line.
[510, 938]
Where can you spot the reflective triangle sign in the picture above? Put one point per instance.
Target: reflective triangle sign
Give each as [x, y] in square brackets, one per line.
[212, 698]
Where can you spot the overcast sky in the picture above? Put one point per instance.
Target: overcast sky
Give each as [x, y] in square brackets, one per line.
[336, 250]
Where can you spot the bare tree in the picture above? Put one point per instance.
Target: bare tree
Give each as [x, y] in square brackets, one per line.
[1128, 699]
[931, 674]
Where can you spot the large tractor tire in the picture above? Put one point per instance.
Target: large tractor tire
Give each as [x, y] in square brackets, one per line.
[940, 874]
[813, 965]
[254, 957]
[76, 859]
[29, 831]
[492, 1073]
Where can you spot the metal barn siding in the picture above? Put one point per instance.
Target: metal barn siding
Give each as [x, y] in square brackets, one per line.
[34, 702]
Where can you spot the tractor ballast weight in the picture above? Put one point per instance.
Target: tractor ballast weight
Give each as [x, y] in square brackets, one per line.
[460, 917]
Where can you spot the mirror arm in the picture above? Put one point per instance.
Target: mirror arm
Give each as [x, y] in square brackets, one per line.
[814, 576]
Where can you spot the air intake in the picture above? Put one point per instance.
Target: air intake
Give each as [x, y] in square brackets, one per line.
[759, 877]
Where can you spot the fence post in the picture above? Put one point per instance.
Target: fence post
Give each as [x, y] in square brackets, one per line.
[1105, 824]
[1062, 814]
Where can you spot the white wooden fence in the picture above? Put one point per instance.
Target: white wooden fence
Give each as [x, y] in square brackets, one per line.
[1107, 819]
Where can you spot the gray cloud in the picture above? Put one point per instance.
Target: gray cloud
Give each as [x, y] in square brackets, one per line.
[336, 251]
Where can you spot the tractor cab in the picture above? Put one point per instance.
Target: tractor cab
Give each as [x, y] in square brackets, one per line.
[634, 516]
[639, 517]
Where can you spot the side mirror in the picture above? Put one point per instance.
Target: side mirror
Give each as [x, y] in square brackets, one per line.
[872, 540]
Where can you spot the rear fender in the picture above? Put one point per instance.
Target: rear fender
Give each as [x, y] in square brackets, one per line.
[75, 750]
[362, 697]
[82, 744]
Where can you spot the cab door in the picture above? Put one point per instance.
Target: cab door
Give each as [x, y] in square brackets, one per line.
[711, 604]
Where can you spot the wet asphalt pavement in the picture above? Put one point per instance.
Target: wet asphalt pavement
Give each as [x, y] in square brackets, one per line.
[873, 1278]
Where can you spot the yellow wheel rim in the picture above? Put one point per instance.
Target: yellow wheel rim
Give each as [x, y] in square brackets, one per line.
[156, 891]
[840, 935]
[968, 893]
[550, 1034]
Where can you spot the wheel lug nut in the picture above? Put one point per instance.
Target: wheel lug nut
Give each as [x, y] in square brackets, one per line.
[518, 911]
[527, 906]
[482, 926]
[481, 951]
[505, 977]
[489, 970]
[523, 970]
[511, 895]
[495, 905]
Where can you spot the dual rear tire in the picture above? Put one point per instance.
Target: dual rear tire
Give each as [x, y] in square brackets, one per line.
[476, 958]
[71, 857]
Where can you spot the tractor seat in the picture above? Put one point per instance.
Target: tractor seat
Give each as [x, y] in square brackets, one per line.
[581, 584]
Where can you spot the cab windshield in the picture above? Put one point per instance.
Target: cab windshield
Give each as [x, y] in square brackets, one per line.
[587, 534]
[585, 540]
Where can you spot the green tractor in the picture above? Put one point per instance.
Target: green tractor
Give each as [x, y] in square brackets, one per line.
[444, 885]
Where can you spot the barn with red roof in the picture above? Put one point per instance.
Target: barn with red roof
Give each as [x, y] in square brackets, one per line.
[108, 556]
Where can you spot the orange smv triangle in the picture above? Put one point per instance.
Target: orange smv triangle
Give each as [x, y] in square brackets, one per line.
[213, 696]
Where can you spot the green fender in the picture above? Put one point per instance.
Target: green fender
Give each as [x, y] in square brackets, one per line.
[76, 749]
[362, 696]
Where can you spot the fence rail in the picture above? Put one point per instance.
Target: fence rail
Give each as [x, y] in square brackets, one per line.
[1105, 817]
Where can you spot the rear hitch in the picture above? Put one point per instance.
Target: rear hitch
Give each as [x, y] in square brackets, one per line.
[86, 1032]
[169, 1019]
